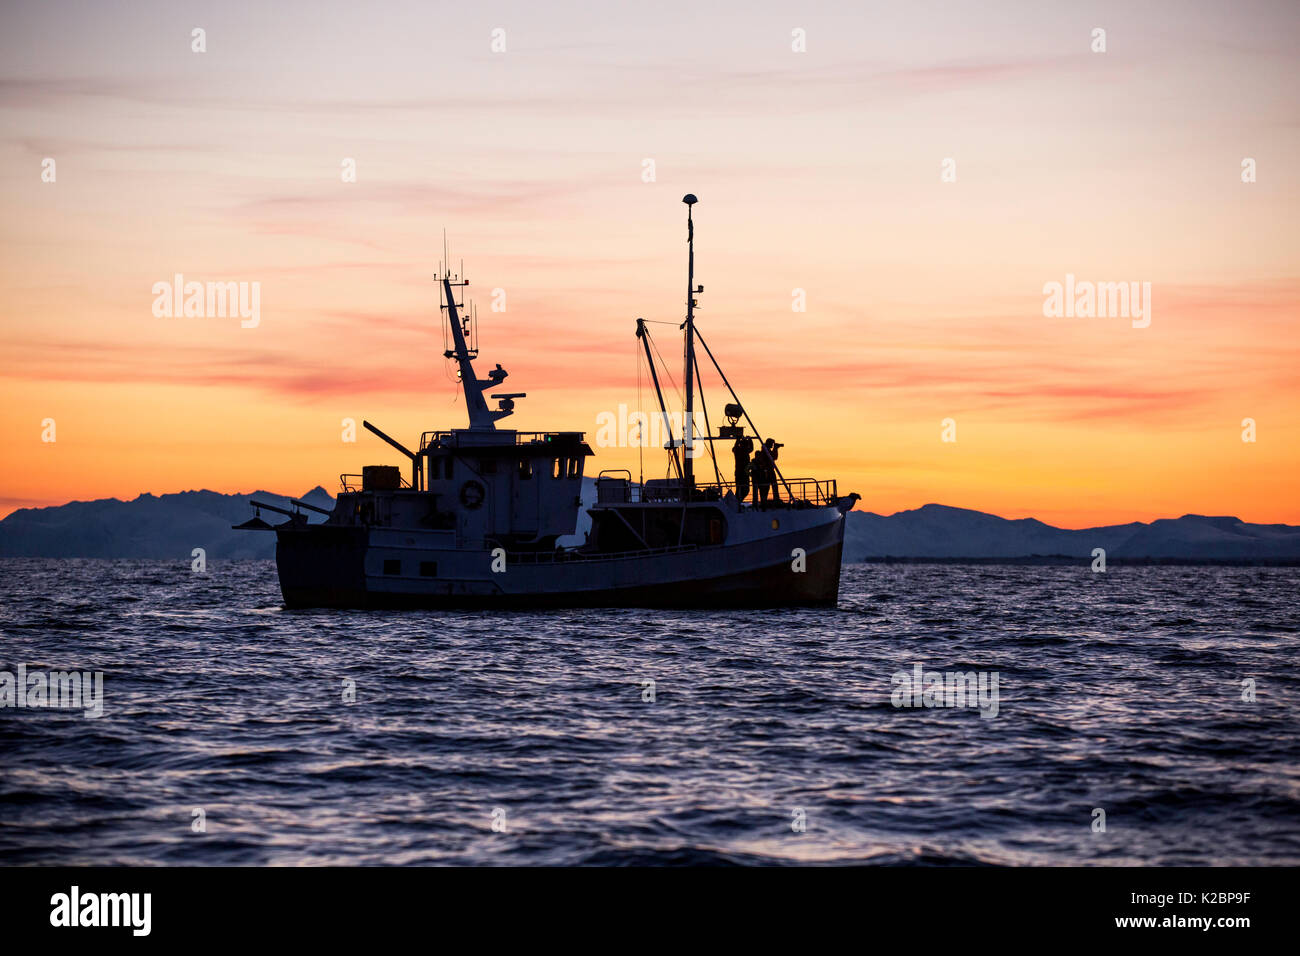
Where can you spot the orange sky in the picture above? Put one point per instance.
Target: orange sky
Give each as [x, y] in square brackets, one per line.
[817, 171]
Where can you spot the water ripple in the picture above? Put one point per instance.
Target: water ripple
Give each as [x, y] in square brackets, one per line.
[1121, 692]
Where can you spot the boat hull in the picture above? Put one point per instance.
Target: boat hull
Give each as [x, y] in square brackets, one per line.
[323, 566]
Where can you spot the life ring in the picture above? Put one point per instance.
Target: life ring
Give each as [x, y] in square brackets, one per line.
[471, 494]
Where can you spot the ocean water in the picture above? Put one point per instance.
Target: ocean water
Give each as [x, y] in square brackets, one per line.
[530, 738]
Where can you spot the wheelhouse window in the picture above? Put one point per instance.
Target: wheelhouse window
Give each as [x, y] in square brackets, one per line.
[573, 467]
[525, 468]
[557, 467]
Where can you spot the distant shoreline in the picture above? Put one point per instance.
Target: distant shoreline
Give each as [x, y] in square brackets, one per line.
[171, 527]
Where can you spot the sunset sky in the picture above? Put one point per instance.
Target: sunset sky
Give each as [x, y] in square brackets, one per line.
[816, 170]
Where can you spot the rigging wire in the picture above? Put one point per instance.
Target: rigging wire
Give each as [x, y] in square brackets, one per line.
[663, 408]
[708, 429]
[664, 365]
[757, 433]
[640, 427]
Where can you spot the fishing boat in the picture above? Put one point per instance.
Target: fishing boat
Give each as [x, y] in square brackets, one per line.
[478, 516]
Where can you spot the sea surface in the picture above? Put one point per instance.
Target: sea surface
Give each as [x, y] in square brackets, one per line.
[767, 737]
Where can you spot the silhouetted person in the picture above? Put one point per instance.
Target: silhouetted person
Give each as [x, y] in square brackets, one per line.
[772, 449]
[765, 473]
[759, 467]
[741, 450]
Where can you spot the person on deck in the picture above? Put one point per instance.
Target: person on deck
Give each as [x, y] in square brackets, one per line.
[741, 450]
[762, 471]
[768, 453]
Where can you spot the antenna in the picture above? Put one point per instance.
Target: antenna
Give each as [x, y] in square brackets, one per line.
[460, 342]
[688, 426]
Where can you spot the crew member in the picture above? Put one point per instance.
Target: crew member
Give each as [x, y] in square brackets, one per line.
[741, 450]
[771, 449]
[761, 468]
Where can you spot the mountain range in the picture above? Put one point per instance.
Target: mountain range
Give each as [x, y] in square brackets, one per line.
[939, 532]
[172, 525]
[150, 526]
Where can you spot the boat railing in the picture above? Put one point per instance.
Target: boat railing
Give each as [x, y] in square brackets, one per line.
[354, 483]
[796, 492]
[564, 556]
[453, 439]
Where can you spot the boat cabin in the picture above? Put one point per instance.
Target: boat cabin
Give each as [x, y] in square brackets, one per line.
[519, 490]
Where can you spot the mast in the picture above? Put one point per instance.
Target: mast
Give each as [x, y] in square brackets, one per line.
[480, 416]
[688, 426]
